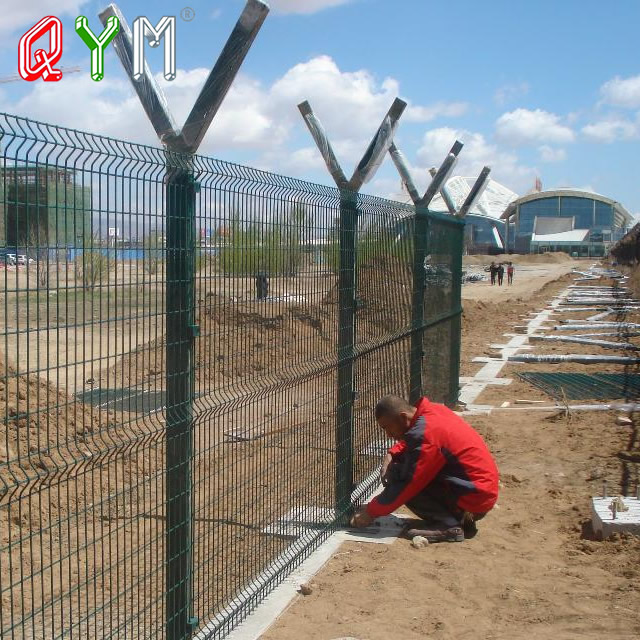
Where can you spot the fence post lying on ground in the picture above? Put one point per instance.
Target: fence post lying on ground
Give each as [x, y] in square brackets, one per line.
[180, 289]
[574, 357]
[349, 189]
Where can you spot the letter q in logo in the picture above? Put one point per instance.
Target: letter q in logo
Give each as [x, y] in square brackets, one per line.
[44, 60]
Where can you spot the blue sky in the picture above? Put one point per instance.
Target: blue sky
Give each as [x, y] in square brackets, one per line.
[549, 89]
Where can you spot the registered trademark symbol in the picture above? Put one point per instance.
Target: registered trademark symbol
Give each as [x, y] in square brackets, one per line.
[187, 14]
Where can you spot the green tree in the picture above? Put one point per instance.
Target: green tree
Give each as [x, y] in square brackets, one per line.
[153, 252]
[93, 265]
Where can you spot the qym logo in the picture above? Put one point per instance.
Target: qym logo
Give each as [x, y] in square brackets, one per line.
[97, 44]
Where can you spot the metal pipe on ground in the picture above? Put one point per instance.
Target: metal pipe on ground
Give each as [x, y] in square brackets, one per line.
[609, 334]
[605, 344]
[596, 288]
[614, 406]
[597, 301]
[580, 309]
[567, 325]
[574, 357]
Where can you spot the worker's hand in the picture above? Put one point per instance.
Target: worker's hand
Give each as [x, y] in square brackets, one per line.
[384, 469]
[361, 518]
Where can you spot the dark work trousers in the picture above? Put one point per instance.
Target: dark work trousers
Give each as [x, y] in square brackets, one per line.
[436, 505]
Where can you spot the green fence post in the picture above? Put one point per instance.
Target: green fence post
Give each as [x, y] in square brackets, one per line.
[420, 231]
[180, 242]
[456, 321]
[346, 342]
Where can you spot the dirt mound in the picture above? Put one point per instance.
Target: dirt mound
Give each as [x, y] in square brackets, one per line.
[627, 249]
[250, 339]
[239, 340]
[384, 298]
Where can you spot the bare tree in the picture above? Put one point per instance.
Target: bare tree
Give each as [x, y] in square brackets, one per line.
[37, 244]
[153, 252]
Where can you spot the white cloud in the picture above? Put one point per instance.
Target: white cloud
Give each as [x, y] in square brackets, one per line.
[216, 13]
[622, 92]
[550, 154]
[523, 126]
[26, 14]
[510, 92]
[476, 153]
[414, 113]
[350, 104]
[610, 130]
[304, 6]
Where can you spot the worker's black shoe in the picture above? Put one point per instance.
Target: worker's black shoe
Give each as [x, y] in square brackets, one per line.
[453, 534]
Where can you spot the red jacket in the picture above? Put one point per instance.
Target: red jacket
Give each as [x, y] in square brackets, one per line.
[440, 447]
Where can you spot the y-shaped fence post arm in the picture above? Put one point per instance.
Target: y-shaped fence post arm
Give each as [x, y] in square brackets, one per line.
[149, 92]
[444, 192]
[476, 191]
[346, 392]
[181, 328]
[403, 169]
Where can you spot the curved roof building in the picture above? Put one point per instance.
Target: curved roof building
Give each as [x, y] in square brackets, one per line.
[578, 222]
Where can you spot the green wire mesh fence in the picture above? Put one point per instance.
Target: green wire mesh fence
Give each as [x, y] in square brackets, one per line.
[169, 395]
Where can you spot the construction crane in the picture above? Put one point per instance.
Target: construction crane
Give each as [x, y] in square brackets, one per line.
[16, 77]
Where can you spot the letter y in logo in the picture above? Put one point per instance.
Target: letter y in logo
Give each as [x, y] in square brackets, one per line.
[45, 60]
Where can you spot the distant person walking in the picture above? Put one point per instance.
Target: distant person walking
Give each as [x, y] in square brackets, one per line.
[500, 274]
[493, 271]
[510, 271]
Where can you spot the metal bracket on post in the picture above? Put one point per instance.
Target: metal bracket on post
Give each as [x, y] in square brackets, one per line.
[368, 165]
[181, 328]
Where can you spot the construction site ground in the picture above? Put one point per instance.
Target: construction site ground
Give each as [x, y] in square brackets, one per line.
[534, 570]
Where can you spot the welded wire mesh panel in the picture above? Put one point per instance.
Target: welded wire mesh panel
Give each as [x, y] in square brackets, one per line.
[585, 386]
[384, 292]
[82, 442]
[189, 355]
[265, 373]
[443, 275]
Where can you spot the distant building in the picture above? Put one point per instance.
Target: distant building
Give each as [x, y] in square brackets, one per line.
[43, 206]
[484, 228]
[577, 222]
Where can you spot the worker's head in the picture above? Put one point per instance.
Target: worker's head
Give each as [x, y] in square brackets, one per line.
[394, 414]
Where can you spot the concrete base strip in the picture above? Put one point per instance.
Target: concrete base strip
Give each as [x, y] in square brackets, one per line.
[271, 606]
[498, 381]
[492, 366]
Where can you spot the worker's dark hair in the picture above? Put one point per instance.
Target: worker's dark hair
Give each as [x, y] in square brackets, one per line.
[392, 405]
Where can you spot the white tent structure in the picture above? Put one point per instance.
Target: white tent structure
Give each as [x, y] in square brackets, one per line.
[491, 204]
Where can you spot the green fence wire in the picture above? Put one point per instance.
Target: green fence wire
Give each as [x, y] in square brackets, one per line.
[183, 418]
[585, 386]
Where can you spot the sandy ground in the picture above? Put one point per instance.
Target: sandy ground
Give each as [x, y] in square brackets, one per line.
[527, 278]
[535, 569]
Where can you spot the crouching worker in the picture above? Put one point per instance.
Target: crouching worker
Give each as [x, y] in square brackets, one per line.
[440, 468]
